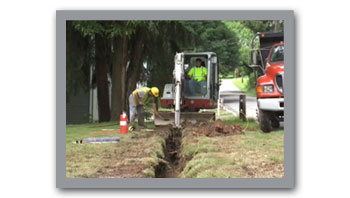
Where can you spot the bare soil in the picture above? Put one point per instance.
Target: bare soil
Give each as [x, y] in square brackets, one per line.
[216, 128]
[172, 152]
[144, 154]
[130, 163]
[131, 159]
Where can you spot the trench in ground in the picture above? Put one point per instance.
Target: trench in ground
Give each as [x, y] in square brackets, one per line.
[173, 167]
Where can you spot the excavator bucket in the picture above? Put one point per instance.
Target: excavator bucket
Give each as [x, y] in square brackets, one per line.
[168, 117]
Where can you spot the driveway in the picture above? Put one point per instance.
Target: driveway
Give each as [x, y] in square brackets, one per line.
[230, 93]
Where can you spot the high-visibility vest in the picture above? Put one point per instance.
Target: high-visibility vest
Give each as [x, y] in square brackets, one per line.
[199, 73]
[146, 97]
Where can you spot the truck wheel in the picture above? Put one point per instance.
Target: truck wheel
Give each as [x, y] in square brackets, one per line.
[275, 123]
[265, 121]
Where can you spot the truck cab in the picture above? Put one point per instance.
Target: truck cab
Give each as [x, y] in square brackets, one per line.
[269, 59]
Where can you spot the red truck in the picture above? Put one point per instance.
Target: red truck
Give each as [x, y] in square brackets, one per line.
[268, 58]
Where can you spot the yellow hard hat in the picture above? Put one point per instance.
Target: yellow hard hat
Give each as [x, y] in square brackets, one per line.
[155, 91]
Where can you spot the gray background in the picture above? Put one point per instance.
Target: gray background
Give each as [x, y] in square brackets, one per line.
[289, 137]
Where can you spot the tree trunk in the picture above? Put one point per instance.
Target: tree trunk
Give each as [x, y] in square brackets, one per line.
[119, 76]
[274, 26]
[102, 81]
[135, 66]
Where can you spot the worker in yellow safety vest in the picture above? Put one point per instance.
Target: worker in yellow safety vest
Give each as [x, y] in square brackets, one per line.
[137, 99]
[198, 76]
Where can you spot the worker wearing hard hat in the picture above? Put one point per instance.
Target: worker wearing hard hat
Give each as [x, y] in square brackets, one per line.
[137, 99]
[198, 75]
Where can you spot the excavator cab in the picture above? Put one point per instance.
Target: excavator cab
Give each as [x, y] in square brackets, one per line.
[191, 96]
[194, 88]
[206, 88]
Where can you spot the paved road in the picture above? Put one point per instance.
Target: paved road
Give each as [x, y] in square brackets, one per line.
[230, 93]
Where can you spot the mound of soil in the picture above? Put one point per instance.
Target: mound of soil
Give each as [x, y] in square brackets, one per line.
[218, 128]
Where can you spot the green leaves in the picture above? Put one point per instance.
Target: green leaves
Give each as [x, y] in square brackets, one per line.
[230, 40]
[88, 28]
[109, 29]
[244, 36]
[217, 37]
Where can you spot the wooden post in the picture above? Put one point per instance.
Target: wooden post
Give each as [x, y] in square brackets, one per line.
[219, 106]
[242, 107]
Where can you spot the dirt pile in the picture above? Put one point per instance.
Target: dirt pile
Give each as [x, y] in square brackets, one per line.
[218, 128]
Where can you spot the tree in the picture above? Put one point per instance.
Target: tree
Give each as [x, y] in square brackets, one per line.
[257, 26]
[163, 40]
[135, 64]
[94, 31]
[128, 47]
[78, 59]
[135, 51]
[110, 37]
[168, 37]
[217, 37]
[246, 32]
[102, 46]
[245, 37]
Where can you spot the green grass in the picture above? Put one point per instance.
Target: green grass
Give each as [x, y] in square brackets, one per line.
[135, 155]
[228, 76]
[244, 86]
[223, 113]
[255, 154]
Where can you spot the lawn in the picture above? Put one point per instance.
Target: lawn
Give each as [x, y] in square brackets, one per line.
[253, 155]
[244, 86]
[136, 155]
[139, 154]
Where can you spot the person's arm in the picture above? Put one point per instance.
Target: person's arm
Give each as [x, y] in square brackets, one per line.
[155, 111]
[138, 100]
[190, 73]
[205, 73]
[155, 108]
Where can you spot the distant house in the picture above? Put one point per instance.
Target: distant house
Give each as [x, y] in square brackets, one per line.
[78, 109]
[83, 107]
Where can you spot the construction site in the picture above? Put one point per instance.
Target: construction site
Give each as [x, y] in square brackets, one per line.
[197, 116]
[202, 150]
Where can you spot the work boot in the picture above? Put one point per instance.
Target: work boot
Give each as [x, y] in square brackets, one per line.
[142, 127]
[132, 129]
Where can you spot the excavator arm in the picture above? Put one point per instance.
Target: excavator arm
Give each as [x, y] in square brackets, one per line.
[178, 76]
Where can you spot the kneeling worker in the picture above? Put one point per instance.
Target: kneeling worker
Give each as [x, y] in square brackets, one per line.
[137, 100]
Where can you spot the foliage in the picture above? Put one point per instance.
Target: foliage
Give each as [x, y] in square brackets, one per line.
[248, 84]
[257, 26]
[246, 31]
[215, 36]
[164, 39]
[230, 40]
[110, 29]
[79, 58]
[245, 36]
